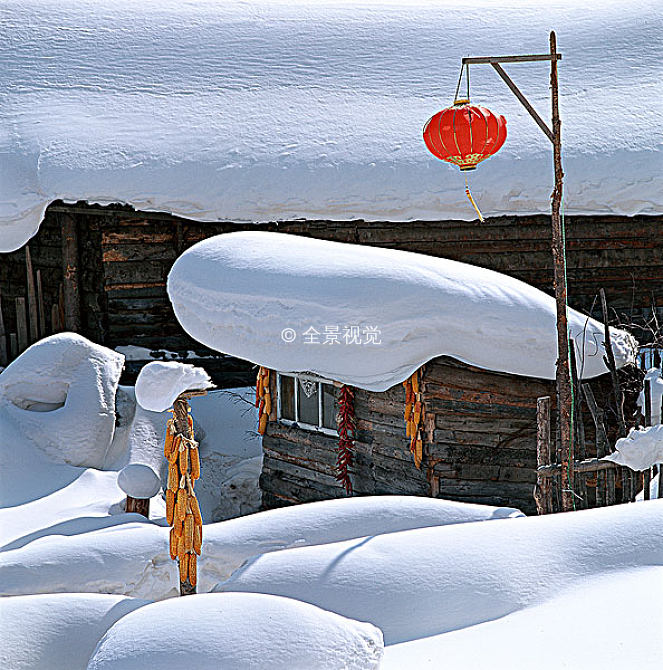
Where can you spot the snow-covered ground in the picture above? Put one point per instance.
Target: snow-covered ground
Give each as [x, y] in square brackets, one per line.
[355, 583]
[273, 109]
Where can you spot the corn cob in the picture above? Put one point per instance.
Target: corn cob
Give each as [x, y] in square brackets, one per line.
[174, 454]
[197, 539]
[194, 457]
[180, 505]
[267, 409]
[173, 477]
[193, 570]
[188, 532]
[415, 382]
[178, 527]
[262, 425]
[184, 460]
[195, 510]
[170, 506]
[168, 444]
[184, 567]
[174, 540]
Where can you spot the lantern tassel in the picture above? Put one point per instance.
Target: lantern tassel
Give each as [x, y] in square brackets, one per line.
[471, 199]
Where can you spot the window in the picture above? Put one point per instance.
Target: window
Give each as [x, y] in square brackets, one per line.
[307, 401]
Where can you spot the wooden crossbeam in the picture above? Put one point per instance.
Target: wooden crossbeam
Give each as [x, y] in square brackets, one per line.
[511, 59]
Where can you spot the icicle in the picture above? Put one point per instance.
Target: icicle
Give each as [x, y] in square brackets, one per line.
[471, 199]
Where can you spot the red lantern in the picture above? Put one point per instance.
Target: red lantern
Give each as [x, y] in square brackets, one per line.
[465, 134]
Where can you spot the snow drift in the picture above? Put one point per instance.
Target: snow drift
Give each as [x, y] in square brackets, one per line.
[250, 111]
[627, 633]
[57, 632]
[46, 391]
[237, 631]
[640, 449]
[451, 577]
[133, 559]
[257, 296]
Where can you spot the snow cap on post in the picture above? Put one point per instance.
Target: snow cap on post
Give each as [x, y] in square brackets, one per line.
[160, 383]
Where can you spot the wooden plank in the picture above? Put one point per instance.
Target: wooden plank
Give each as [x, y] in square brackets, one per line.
[13, 346]
[40, 305]
[21, 325]
[70, 280]
[511, 59]
[4, 354]
[55, 319]
[33, 308]
[588, 465]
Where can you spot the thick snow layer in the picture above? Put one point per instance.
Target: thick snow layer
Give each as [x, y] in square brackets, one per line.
[655, 377]
[160, 383]
[57, 632]
[237, 632]
[617, 623]
[133, 559]
[451, 577]
[277, 300]
[285, 108]
[640, 449]
[139, 481]
[46, 391]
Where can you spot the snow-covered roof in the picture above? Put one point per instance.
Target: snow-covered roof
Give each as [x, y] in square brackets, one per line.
[368, 316]
[255, 111]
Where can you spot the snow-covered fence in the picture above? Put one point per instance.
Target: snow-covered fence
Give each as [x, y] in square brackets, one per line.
[596, 481]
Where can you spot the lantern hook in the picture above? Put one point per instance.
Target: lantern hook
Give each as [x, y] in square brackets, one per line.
[462, 101]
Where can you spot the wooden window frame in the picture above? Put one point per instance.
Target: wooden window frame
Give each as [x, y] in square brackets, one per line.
[297, 423]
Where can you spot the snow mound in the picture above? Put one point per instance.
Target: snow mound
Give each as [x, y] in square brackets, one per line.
[59, 395]
[133, 559]
[230, 544]
[626, 635]
[159, 383]
[237, 632]
[139, 481]
[315, 110]
[57, 632]
[127, 559]
[247, 294]
[640, 449]
[655, 377]
[429, 581]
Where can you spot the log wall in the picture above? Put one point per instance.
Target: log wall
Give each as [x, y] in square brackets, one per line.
[480, 443]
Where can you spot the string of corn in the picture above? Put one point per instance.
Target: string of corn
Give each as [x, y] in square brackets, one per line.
[263, 399]
[182, 508]
[414, 416]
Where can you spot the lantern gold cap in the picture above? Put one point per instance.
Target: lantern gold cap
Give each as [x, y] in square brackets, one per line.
[461, 101]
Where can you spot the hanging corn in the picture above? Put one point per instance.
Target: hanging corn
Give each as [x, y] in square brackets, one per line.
[182, 509]
[345, 421]
[263, 399]
[414, 416]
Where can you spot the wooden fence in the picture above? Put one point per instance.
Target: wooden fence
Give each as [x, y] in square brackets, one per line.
[595, 482]
[33, 319]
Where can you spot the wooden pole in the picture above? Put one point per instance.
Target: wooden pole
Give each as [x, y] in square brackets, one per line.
[563, 377]
[21, 325]
[542, 495]
[4, 358]
[72, 307]
[40, 306]
[612, 366]
[33, 309]
[646, 486]
[138, 506]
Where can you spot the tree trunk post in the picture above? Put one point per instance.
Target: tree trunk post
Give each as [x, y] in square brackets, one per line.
[542, 494]
[138, 506]
[563, 378]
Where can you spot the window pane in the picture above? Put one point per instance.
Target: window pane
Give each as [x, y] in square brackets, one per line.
[287, 395]
[329, 406]
[308, 406]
